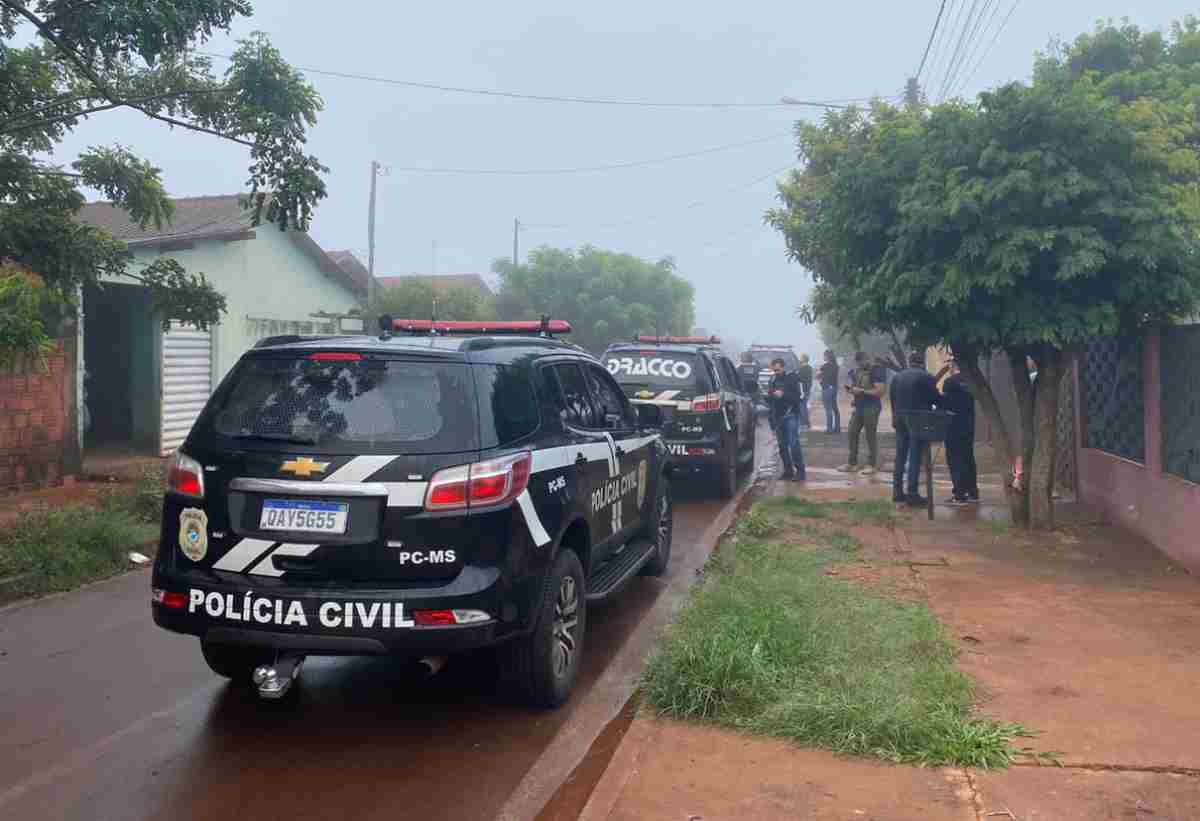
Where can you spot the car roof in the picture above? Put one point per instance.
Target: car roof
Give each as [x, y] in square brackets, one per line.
[477, 348]
[672, 347]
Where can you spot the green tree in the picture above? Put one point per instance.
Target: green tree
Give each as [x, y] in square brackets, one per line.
[413, 299]
[607, 296]
[1026, 223]
[87, 58]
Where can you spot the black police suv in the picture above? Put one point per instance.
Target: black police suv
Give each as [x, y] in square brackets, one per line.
[450, 487]
[708, 417]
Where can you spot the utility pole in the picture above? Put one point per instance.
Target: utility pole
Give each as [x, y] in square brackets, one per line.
[516, 230]
[371, 235]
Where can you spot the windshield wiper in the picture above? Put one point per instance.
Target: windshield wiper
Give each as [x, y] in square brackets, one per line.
[278, 437]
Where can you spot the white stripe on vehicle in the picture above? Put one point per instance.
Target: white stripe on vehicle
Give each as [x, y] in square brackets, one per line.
[614, 466]
[267, 567]
[242, 555]
[667, 395]
[534, 522]
[406, 494]
[359, 468]
[663, 403]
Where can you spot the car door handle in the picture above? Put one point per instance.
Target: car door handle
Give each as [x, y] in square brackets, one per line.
[580, 459]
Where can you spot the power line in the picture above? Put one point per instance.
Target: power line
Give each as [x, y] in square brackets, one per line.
[550, 98]
[991, 45]
[954, 57]
[650, 219]
[503, 172]
[940, 53]
[972, 43]
[977, 46]
[932, 35]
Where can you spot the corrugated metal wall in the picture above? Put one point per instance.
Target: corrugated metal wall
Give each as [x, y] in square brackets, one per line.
[186, 382]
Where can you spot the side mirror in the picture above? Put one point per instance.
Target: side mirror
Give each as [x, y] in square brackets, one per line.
[650, 416]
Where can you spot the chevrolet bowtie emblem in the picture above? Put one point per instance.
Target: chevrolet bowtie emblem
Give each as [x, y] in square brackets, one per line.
[303, 466]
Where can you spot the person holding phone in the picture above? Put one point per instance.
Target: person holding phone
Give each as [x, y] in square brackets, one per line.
[866, 385]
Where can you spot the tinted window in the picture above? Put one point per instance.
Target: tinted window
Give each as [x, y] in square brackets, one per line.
[508, 407]
[614, 409]
[763, 359]
[729, 375]
[351, 407]
[576, 404]
[658, 370]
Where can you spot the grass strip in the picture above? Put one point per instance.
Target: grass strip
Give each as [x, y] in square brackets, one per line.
[60, 549]
[771, 644]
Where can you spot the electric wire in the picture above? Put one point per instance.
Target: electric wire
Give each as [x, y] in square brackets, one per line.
[987, 51]
[551, 98]
[932, 34]
[954, 58]
[528, 172]
[973, 43]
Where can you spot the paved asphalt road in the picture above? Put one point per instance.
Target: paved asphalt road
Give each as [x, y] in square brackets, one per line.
[105, 716]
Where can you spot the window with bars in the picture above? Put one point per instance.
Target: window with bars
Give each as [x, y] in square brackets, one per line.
[1114, 397]
[1180, 364]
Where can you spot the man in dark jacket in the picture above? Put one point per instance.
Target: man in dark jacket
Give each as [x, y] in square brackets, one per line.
[960, 438]
[912, 389]
[786, 397]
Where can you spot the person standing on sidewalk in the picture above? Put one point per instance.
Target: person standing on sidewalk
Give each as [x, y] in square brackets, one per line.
[805, 372]
[828, 376]
[867, 384]
[786, 397]
[960, 438]
[913, 389]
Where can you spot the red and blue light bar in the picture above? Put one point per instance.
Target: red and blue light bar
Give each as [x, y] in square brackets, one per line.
[526, 328]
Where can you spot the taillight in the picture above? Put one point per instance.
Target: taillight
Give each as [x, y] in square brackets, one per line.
[175, 601]
[709, 402]
[335, 356]
[484, 483]
[186, 476]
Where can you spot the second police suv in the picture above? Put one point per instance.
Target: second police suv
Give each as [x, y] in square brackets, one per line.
[708, 417]
[451, 487]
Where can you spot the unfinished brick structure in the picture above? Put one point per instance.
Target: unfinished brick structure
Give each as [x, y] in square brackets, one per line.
[33, 422]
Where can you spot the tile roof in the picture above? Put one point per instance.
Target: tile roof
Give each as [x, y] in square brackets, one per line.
[194, 218]
[441, 282]
[352, 265]
[198, 218]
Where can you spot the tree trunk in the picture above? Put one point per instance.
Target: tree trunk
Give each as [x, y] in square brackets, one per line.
[1003, 443]
[1045, 436]
[1024, 390]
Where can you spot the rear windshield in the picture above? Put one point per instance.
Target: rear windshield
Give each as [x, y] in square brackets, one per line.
[371, 405]
[663, 370]
[763, 359]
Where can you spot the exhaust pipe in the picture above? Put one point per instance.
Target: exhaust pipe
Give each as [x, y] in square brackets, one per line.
[431, 665]
[275, 680]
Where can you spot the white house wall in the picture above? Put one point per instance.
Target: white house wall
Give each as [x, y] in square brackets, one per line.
[268, 277]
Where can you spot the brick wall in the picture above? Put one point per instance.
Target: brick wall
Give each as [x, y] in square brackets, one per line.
[33, 422]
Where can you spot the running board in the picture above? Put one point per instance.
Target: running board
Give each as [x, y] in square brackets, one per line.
[618, 570]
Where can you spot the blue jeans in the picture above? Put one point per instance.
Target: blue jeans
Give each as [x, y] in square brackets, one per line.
[909, 451]
[790, 449]
[833, 414]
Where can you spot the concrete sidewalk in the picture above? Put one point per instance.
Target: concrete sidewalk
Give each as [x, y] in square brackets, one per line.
[1087, 635]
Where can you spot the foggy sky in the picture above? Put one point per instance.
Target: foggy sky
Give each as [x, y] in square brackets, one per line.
[706, 212]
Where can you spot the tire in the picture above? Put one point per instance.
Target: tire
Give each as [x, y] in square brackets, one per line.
[748, 467]
[661, 530]
[532, 666]
[728, 477]
[232, 661]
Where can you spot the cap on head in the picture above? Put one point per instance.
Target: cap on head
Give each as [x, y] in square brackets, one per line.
[778, 361]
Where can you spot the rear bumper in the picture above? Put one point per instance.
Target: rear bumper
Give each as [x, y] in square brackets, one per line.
[696, 455]
[227, 609]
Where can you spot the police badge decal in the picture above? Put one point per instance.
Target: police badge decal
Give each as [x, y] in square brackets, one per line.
[641, 483]
[193, 533]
